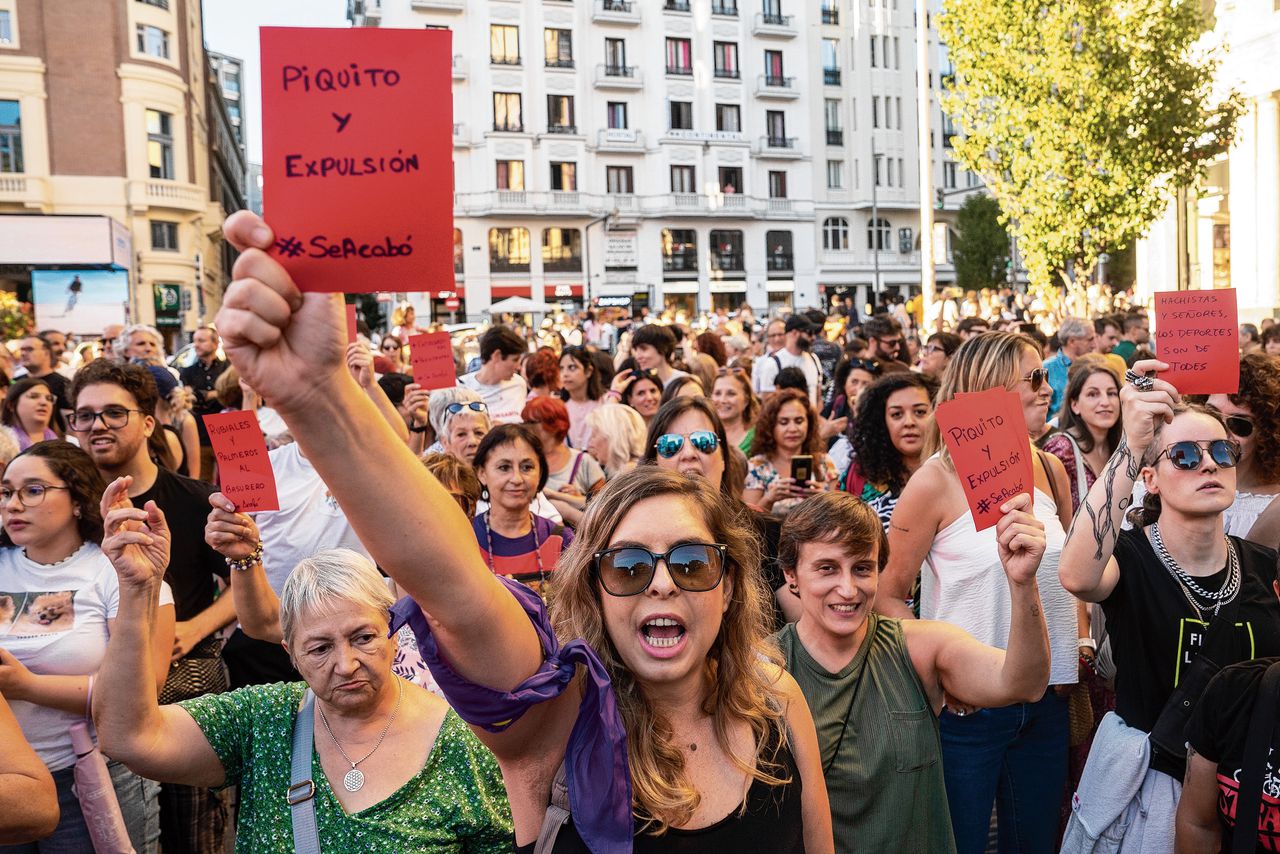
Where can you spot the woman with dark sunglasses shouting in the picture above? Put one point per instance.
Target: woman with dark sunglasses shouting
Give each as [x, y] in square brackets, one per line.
[1252, 416]
[666, 719]
[1181, 598]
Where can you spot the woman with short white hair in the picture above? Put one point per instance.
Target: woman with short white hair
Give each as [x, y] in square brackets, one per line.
[460, 419]
[616, 439]
[438, 789]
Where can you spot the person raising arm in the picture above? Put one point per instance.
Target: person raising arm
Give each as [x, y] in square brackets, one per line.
[26, 789]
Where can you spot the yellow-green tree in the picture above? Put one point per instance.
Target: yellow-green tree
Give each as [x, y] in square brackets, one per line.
[1082, 117]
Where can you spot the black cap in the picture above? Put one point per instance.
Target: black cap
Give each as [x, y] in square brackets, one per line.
[799, 321]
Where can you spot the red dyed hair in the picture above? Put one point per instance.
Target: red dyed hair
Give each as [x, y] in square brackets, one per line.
[550, 412]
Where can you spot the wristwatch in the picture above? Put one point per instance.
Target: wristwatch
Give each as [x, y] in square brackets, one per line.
[424, 428]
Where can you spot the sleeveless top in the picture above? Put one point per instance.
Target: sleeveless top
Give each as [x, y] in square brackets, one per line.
[180, 465]
[1238, 519]
[884, 766]
[772, 822]
[963, 583]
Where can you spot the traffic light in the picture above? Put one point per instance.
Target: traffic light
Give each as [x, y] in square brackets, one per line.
[940, 199]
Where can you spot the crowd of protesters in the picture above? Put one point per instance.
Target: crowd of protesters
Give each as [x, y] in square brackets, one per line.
[638, 584]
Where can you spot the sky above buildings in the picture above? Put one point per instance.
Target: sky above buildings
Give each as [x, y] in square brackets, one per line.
[231, 27]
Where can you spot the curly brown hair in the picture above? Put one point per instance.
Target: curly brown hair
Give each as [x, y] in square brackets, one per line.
[84, 484]
[1260, 394]
[764, 444]
[877, 458]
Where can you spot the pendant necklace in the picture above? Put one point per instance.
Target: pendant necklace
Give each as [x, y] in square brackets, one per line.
[354, 780]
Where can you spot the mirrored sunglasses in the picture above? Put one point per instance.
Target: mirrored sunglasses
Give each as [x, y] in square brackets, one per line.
[669, 444]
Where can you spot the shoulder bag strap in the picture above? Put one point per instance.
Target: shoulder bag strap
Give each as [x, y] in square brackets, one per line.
[1081, 489]
[1257, 747]
[1053, 481]
[557, 815]
[573, 472]
[302, 789]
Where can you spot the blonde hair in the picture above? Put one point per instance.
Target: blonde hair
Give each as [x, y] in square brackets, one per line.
[625, 431]
[983, 362]
[738, 685]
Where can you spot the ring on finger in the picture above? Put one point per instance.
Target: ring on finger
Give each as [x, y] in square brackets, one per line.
[1141, 382]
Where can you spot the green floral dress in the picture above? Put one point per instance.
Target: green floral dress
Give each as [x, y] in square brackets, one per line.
[456, 803]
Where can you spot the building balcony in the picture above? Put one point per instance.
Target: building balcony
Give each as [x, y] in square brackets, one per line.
[459, 67]
[174, 195]
[438, 5]
[724, 8]
[620, 139]
[561, 64]
[688, 202]
[624, 12]
[866, 259]
[785, 147]
[780, 262]
[774, 26]
[835, 137]
[676, 6]
[681, 261]
[18, 189]
[679, 70]
[727, 74]
[618, 77]
[779, 206]
[562, 130]
[727, 262]
[734, 204]
[571, 264]
[831, 76]
[831, 16]
[509, 127]
[772, 86]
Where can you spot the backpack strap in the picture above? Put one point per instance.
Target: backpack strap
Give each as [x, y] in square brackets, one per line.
[557, 815]
[1257, 747]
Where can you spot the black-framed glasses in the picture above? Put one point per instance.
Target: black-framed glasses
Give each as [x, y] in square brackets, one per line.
[1188, 455]
[629, 570]
[30, 495]
[1036, 378]
[474, 406]
[1239, 425]
[669, 444]
[113, 418]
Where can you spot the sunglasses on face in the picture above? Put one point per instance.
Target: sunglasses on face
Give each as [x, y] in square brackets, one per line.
[1239, 425]
[629, 570]
[669, 444]
[1188, 455]
[1036, 378]
[474, 406]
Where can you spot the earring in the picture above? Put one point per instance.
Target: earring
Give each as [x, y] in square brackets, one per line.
[484, 494]
[794, 589]
[77, 512]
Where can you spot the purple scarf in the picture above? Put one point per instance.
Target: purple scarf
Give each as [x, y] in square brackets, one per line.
[596, 767]
[24, 441]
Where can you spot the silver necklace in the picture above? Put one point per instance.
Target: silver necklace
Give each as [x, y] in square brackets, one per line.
[537, 552]
[1188, 585]
[355, 777]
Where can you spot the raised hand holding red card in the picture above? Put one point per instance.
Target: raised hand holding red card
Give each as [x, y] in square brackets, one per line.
[244, 469]
[986, 435]
[431, 357]
[1197, 335]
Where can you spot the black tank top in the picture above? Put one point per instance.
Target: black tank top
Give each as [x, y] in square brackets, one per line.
[772, 822]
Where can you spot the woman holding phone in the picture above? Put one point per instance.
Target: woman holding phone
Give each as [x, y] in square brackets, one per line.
[787, 464]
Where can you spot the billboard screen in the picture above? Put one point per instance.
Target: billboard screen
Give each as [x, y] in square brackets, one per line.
[79, 301]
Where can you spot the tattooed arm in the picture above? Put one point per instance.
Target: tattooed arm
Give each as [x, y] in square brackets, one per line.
[1087, 568]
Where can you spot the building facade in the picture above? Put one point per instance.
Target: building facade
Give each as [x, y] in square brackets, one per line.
[1226, 232]
[105, 110]
[688, 154]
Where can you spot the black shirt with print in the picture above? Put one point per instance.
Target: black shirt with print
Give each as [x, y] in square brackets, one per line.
[1155, 634]
[1217, 731]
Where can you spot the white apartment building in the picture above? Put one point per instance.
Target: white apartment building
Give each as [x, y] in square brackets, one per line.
[1230, 225]
[684, 154]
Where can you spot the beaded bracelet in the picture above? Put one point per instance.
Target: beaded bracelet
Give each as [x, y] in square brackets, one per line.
[246, 563]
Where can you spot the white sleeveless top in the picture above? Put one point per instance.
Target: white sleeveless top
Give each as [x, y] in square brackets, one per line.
[963, 583]
[1240, 516]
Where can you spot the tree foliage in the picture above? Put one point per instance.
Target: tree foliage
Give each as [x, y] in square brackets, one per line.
[1082, 117]
[15, 317]
[982, 245]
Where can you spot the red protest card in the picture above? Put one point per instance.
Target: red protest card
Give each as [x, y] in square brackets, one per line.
[986, 434]
[353, 327]
[431, 356]
[357, 130]
[244, 469]
[1198, 337]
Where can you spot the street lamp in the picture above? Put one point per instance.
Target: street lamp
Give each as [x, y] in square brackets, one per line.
[875, 223]
[586, 254]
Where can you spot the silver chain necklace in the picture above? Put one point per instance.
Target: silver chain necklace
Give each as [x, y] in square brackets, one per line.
[1188, 585]
[354, 780]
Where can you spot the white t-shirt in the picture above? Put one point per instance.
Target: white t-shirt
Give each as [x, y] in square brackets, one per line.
[541, 506]
[806, 362]
[587, 473]
[309, 519]
[505, 400]
[53, 619]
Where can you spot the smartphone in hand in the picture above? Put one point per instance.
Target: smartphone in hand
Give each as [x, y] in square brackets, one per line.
[802, 469]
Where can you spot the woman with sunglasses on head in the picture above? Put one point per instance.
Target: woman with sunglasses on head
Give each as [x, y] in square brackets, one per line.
[1252, 416]
[680, 733]
[1179, 596]
[572, 476]
[582, 390]
[1014, 756]
[641, 390]
[460, 419]
[787, 428]
[737, 406]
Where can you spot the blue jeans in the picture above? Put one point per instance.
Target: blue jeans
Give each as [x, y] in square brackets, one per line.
[1015, 756]
[138, 805]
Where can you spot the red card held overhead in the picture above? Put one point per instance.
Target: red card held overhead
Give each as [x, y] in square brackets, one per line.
[1198, 337]
[353, 326]
[357, 130]
[244, 469]
[431, 357]
[986, 434]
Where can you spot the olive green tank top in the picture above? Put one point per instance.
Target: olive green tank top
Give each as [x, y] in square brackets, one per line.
[884, 768]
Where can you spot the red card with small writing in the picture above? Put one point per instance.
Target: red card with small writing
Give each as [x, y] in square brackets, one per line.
[986, 434]
[353, 325]
[1198, 337]
[431, 357]
[244, 469]
[357, 130]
